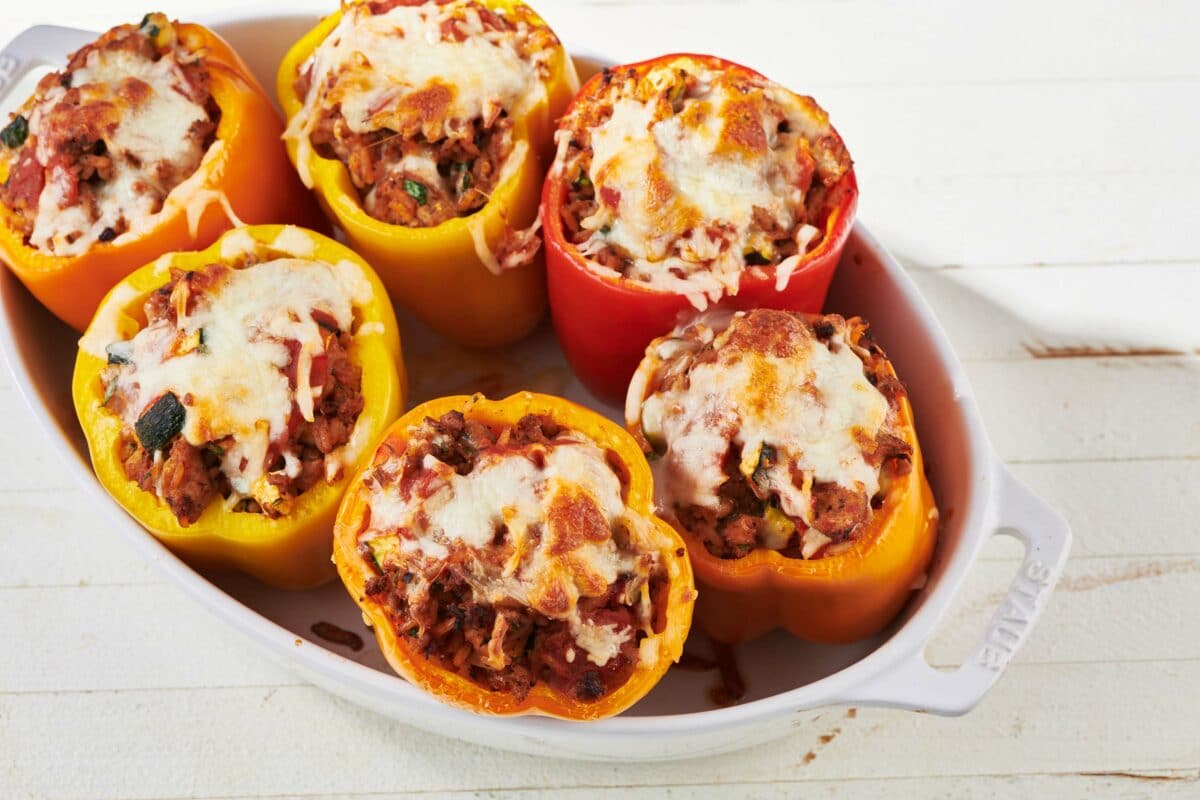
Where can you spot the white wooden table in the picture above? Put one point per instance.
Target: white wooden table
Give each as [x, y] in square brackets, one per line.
[1036, 166]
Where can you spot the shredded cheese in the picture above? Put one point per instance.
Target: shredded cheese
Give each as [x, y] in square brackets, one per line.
[234, 381]
[814, 408]
[678, 174]
[548, 570]
[141, 134]
[380, 66]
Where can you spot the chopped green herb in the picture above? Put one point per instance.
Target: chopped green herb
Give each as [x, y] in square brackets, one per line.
[109, 391]
[767, 458]
[582, 181]
[203, 344]
[119, 352]
[416, 191]
[464, 182]
[148, 27]
[215, 449]
[605, 229]
[15, 132]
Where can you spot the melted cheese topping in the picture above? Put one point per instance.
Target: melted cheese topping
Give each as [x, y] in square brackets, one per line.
[677, 181]
[379, 66]
[235, 376]
[552, 564]
[814, 407]
[140, 136]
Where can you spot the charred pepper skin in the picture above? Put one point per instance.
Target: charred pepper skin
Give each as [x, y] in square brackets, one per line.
[604, 323]
[291, 551]
[357, 570]
[436, 273]
[249, 170]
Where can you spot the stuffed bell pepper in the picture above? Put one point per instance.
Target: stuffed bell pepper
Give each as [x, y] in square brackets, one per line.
[425, 130]
[785, 453]
[154, 138]
[228, 395]
[683, 182]
[508, 557]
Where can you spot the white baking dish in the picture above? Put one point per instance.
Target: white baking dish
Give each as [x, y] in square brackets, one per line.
[977, 495]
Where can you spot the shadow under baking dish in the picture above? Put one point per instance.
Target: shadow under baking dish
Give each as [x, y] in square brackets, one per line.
[677, 719]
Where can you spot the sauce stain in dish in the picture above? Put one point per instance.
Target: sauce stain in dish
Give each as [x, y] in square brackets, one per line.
[332, 633]
[730, 687]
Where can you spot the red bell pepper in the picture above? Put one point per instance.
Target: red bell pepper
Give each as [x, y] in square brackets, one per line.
[605, 323]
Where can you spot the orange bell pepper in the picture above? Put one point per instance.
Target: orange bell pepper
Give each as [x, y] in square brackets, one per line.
[292, 550]
[406, 658]
[835, 598]
[245, 167]
[436, 273]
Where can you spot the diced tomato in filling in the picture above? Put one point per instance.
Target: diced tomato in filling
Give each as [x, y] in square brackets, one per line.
[384, 6]
[446, 622]
[24, 185]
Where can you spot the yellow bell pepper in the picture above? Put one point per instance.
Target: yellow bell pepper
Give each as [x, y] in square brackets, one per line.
[436, 273]
[245, 166]
[293, 550]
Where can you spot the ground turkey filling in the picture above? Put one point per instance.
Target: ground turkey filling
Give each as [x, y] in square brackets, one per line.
[683, 176]
[101, 144]
[188, 477]
[447, 603]
[735, 488]
[418, 165]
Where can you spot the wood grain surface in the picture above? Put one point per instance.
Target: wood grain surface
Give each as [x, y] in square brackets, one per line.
[1035, 166]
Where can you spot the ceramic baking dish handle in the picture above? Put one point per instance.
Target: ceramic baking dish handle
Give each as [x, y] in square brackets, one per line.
[40, 46]
[915, 685]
